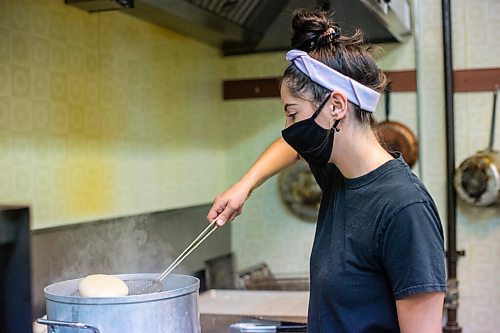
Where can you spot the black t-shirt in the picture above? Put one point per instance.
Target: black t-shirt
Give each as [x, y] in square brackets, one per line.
[378, 239]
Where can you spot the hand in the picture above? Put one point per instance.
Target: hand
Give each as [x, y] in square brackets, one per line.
[228, 205]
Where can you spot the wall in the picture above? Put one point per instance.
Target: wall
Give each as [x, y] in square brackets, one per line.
[266, 231]
[104, 115]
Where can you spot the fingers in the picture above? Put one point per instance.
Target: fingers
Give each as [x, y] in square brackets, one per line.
[234, 215]
[227, 206]
[226, 215]
[223, 218]
[217, 208]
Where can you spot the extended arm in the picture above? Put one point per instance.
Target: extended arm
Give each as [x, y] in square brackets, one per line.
[275, 158]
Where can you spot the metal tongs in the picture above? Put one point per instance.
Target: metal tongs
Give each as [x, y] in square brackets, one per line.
[139, 287]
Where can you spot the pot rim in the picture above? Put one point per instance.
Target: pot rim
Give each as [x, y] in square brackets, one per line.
[176, 285]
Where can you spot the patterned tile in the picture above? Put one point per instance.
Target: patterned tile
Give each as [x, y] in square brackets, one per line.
[4, 45]
[20, 13]
[20, 116]
[75, 58]
[20, 81]
[58, 86]
[40, 83]
[19, 48]
[59, 123]
[39, 20]
[57, 56]
[4, 121]
[41, 116]
[58, 25]
[40, 52]
[4, 14]
[5, 80]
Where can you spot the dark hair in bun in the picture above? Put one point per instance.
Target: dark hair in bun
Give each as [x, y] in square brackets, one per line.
[316, 33]
[313, 30]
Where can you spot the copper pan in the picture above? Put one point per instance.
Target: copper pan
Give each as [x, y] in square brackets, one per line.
[395, 136]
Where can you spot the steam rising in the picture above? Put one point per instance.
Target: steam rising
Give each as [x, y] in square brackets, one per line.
[121, 246]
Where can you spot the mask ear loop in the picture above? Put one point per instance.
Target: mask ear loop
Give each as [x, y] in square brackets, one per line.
[334, 127]
[315, 114]
[335, 124]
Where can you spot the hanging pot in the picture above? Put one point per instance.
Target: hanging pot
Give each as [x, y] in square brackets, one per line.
[395, 136]
[477, 179]
[300, 192]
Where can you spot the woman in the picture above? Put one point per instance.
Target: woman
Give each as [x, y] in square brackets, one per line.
[377, 262]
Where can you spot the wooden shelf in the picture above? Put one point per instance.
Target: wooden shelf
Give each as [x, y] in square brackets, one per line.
[469, 80]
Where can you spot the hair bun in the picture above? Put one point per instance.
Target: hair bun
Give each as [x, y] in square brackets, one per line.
[330, 35]
[313, 29]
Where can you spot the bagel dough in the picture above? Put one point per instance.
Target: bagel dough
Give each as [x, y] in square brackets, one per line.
[102, 285]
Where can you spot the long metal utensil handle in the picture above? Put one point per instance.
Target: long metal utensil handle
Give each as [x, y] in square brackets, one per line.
[187, 254]
[181, 256]
[194, 244]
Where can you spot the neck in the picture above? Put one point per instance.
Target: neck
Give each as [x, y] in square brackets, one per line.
[357, 152]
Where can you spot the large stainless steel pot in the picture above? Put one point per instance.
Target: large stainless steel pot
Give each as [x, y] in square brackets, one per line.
[173, 310]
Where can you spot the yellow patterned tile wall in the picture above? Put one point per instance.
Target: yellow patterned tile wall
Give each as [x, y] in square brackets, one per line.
[104, 115]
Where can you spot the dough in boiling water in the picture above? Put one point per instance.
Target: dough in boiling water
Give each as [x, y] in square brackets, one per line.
[102, 285]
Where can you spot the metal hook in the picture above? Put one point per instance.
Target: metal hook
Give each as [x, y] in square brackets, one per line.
[493, 118]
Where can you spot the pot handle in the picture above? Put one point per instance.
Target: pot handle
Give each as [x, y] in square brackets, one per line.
[51, 323]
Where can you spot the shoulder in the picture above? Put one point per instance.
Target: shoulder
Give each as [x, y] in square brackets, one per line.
[402, 188]
[405, 201]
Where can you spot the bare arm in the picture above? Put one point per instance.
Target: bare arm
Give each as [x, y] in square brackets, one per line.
[275, 158]
[421, 313]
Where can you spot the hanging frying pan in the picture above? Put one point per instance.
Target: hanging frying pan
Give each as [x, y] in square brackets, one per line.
[477, 179]
[395, 136]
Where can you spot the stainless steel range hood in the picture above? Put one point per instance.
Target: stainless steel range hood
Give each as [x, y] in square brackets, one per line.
[248, 26]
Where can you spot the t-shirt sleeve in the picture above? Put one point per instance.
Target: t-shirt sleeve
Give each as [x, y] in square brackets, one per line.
[413, 251]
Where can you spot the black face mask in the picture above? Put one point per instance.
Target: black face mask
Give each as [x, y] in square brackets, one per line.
[311, 141]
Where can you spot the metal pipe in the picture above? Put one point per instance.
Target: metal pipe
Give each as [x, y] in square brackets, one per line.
[452, 255]
[420, 87]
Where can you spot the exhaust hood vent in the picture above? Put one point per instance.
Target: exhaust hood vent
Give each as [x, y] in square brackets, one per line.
[233, 10]
[248, 26]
